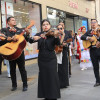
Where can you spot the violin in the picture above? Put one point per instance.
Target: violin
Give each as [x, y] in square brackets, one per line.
[59, 49]
[52, 32]
[98, 32]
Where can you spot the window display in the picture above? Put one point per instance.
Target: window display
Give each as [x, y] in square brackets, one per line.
[23, 12]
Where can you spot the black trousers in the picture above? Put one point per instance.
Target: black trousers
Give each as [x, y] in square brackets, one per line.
[21, 65]
[1, 59]
[95, 61]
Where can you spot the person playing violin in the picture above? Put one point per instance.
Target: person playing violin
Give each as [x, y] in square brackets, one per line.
[63, 68]
[48, 81]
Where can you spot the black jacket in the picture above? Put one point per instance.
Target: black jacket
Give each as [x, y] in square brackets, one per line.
[83, 37]
[50, 42]
[67, 35]
[7, 33]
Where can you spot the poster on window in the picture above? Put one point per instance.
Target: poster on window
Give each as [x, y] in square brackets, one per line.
[9, 7]
[3, 21]
[31, 49]
[84, 23]
[3, 7]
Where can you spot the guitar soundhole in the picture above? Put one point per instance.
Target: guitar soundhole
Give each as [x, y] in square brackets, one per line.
[8, 48]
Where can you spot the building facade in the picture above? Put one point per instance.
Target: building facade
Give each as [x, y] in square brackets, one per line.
[98, 10]
[75, 13]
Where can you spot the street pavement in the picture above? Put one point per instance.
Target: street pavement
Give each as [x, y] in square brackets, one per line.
[81, 85]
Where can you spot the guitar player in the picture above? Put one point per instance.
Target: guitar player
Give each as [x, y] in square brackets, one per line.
[10, 32]
[94, 51]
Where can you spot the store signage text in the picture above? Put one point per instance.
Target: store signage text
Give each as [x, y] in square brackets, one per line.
[87, 10]
[73, 4]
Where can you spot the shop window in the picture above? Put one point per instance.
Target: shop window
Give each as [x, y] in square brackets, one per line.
[23, 12]
[55, 16]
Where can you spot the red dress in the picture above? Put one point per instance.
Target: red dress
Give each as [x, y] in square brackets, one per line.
[78, 56]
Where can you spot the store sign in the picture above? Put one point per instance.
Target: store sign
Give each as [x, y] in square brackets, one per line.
[73, 4]
[31, 49]
[87, 10]
[9, 7]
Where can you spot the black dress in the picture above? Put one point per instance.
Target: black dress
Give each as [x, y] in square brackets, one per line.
[48, 81]
[63, 69]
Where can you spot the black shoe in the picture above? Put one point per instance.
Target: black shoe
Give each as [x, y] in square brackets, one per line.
[96, 84]
[63, 87]
[49, 99]
[24, 88]
[14, 88]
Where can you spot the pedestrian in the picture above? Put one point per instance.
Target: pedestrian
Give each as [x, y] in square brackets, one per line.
[8, 67]
[78, 52]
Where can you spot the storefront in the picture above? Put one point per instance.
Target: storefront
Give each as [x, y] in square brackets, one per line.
[72, 22]
[75, 13]
[23, 12]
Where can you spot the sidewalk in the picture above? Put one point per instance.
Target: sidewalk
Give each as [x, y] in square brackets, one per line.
[5, 82]
[81, 86]
[27, 62]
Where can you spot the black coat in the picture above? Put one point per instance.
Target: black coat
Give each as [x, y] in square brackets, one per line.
[48, 81]
[7, 33]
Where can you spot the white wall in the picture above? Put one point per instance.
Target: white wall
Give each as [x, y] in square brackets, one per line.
[98, 10]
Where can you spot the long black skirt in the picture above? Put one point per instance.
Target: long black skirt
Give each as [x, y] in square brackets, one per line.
[48, 81]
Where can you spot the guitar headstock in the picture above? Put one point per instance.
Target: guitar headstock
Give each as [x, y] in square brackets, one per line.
[31, 24]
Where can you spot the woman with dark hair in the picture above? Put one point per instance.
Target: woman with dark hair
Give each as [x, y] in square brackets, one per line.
[62, 58]
[48, 81]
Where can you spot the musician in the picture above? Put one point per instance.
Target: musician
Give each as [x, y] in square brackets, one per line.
[63, 68]
[48, 81]
[10, 32]
[94, 51]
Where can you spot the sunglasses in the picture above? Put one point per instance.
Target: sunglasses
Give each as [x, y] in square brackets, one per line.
[98, 31]
[59, 28]
[93, 22]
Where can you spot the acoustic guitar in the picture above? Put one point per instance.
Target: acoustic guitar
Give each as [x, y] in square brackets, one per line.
[13, 50]
[87, 43]
[59, 48]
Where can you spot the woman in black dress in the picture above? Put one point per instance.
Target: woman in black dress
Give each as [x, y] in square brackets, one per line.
[63, 68]
[48, 81]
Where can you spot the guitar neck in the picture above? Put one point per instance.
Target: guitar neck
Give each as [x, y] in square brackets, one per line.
[28, 27]
[23, 32]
